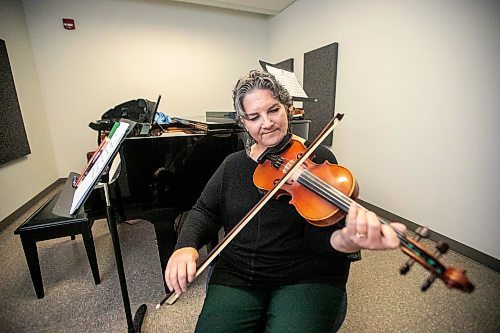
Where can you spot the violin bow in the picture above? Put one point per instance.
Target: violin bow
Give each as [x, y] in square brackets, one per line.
[172, 297]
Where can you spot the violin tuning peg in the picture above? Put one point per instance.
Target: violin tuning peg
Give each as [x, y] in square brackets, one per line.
[406, 267]
[442, 247]
[422, 232]
[428, 283]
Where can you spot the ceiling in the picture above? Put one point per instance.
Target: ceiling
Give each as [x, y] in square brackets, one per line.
[267, 7]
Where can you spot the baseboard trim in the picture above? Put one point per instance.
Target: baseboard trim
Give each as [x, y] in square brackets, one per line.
[458, 247]
[24, 208]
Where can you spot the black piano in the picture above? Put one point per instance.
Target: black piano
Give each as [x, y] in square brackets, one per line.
[164, 169]
[163, 172]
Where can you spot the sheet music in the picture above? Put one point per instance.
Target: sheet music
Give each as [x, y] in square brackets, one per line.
[288, 80]
[95, 172]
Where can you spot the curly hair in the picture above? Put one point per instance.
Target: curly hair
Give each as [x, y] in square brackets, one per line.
[257, 79]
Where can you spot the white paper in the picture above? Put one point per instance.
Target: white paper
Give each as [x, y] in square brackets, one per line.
[95, 172]
[288, 80]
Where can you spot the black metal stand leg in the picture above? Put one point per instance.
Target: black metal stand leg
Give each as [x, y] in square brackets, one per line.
[133, 326]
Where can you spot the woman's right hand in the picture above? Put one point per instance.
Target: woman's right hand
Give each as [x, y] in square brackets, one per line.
[181, 269]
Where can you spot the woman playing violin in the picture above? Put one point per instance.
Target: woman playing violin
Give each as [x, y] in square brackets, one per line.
[280, 274]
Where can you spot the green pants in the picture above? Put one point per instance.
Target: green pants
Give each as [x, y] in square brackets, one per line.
[295, 308]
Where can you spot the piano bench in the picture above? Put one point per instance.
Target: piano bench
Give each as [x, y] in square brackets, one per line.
[44, 225]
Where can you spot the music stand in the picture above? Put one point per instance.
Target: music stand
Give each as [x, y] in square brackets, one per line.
[72, 199]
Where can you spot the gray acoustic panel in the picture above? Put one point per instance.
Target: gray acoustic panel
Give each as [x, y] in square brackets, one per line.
[13, 140]
[320, 80]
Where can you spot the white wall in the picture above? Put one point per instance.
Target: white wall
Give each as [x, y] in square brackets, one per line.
[419, 83]
[126, 49]
[417, 80]
[22, 179]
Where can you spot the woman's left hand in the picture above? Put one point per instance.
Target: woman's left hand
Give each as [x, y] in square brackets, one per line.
[363, 230]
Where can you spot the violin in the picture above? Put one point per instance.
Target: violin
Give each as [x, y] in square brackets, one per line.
[322, 194]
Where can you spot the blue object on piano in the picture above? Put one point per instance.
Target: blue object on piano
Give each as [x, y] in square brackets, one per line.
[161, 118]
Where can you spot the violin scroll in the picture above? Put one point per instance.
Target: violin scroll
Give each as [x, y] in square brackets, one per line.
[456, 278]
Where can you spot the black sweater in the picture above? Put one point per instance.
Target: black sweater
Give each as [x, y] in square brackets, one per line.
[276, 247]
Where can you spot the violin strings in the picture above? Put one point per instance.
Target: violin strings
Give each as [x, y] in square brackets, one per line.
[336, 197]
[326, 191]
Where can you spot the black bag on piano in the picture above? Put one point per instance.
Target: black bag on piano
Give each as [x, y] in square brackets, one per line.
[139, 110]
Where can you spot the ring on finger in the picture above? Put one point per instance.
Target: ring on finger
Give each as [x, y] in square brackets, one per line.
[360, 235]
